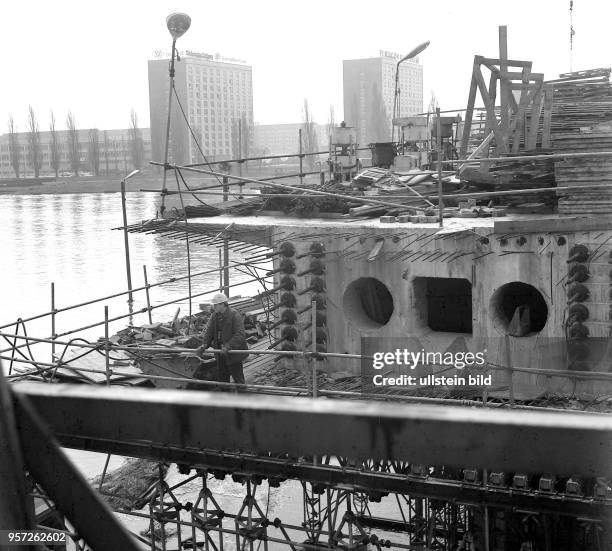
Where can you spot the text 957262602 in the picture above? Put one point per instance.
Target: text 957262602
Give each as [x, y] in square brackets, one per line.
[29, 537]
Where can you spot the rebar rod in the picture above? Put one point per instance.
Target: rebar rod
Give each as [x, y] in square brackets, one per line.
[52, 319]
[106, 346]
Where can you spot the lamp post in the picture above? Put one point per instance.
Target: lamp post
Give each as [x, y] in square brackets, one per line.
[178, 24]
[396, 94]
[125, 239]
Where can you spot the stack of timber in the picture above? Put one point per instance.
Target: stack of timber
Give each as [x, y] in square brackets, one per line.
[538, 173]
[582, 122]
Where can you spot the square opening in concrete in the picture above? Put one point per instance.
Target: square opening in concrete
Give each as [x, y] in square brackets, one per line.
[445, 303]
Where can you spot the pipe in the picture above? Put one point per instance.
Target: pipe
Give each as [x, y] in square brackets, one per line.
[301, 157]
[53, 320]
[167, 144]
[126, 244]
[106, 347]
[146, 280]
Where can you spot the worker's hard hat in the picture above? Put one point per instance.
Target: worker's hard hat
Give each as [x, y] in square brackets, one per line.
[219, 298]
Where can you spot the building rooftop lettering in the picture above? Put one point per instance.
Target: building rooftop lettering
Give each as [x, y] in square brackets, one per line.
[216, 57]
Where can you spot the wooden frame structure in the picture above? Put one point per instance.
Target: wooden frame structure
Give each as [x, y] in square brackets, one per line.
[518, 122]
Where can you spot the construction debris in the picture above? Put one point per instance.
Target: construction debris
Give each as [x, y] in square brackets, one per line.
[130, 486]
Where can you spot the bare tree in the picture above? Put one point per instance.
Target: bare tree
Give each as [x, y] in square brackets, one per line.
[247, 135]
[331, 121]
[93, 150]
[33, 137]
[124, 151]
[106, 151]
[116, 151]
[309, 135]
[136, 144]
[54, 153]
[14, 146]
[242, 137]
[433, 104]
[73, 143]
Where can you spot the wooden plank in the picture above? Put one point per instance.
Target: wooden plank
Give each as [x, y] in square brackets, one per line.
[514, 75]
[562, 225]
[534, 123]
[520, 116]
[548, 105]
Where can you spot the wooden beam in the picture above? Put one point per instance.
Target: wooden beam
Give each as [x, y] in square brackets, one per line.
[469, 114]
[505, 92]
[483, 146]
[500, 143]
[492, 96]
[548, 105]
[520, 115]
[534, 121]
[509, 62]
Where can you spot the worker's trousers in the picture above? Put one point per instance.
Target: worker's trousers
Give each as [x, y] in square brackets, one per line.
[235, 370]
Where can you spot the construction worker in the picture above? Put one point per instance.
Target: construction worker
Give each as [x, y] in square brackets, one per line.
[225, 331]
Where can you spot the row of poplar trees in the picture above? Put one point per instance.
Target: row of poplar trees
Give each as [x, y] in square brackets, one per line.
[100, 148]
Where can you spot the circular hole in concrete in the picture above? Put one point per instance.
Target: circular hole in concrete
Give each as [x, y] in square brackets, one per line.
[518, 309]
[368, 303]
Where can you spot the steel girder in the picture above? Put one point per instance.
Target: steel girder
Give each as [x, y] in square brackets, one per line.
[508, 440]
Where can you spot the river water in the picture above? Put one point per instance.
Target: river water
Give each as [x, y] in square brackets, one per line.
[68, 240]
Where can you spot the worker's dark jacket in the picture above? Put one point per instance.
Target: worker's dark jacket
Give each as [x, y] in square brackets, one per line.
[231, 329]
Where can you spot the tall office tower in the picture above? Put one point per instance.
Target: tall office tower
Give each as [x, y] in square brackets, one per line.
[369, 86]
[215, 94]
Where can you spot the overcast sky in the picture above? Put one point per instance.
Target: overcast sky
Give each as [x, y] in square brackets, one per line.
[91, 57]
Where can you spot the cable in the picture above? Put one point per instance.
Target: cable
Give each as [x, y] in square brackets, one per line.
[178, 185]
[197, 143]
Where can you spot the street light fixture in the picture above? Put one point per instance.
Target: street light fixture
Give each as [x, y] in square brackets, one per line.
[178, 24]
[396, 94]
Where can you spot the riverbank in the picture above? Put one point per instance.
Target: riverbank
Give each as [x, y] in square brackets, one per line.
[94, 185]
[112, 184]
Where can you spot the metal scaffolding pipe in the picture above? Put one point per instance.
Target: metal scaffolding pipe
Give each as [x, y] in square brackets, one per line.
[115, 295]
[323, 193]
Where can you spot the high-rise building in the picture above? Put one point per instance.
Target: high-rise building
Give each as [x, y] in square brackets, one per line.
[369, 86]
[216, 97]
